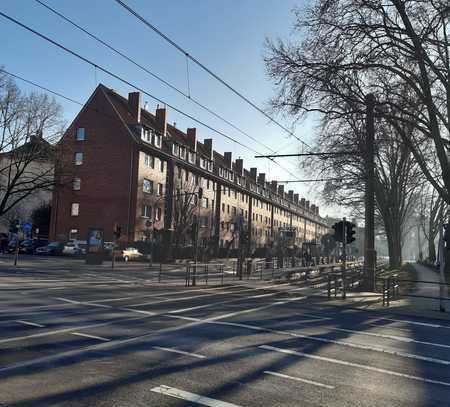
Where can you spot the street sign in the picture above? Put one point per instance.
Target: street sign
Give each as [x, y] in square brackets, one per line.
[27, 227]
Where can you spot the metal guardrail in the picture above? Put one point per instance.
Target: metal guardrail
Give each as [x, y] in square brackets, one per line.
[196, 273]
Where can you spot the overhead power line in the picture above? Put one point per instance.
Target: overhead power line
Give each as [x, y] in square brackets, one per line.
[309, 180]
[206, 69]
[149, 72]
[308, 154]
[112, 74]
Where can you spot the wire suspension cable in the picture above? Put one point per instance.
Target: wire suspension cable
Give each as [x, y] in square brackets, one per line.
[157, 77]
[206, 69]
[112, 74]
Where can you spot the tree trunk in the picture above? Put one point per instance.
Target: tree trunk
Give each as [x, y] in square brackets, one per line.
[393, 234]
[431, 250]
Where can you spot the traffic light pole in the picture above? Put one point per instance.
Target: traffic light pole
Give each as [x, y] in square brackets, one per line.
[344, 245]
[370, 253]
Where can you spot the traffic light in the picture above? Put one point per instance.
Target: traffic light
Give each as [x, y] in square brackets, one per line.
[117, 230]
[350, 232]
[339, 231]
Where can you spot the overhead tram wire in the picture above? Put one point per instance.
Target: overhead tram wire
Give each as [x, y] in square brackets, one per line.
[119, 78]
[207, 70]
[149, 72]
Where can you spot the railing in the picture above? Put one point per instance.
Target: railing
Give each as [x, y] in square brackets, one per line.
[198, 273]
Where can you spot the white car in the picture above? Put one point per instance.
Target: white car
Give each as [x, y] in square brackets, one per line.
[131, 253]
[74, 249]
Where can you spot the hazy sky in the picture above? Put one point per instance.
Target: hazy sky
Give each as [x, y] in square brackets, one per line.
[226, 36]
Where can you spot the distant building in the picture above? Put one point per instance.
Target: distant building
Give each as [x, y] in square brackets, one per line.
[128, 165]
[35, 158]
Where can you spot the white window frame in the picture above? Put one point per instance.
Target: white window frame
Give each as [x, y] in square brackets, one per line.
[149, 182]
[80, 134]
[75, 209]
[76, 182]
[76, 160]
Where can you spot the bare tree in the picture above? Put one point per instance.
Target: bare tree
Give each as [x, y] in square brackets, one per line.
[30, 124]
[430, 213]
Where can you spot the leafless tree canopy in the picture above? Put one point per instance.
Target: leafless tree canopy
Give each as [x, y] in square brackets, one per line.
[396, 49]
[30, 124]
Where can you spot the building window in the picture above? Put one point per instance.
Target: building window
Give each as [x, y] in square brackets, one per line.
[234, 210]
[223, 207]
[205, 203]
[161, 165]
[182, 152]
[75, 209]
[191, 157]
[158, 214]
[73, 234]
[176, 150]
[80, 135]
[228, 208]
[146, 135]
[148, 186]
[78, 158]
[146, 211]
[158, 139]
[76, 184]
[149, 161]
[203, 163]
[160, 189]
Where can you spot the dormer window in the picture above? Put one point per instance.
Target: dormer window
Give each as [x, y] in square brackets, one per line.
[176, 150]
[158, 140]
[191, 157]
[220, 172]
[146, 135]
[210, 166]
[203, 163]
[183, 152]
[230, 175]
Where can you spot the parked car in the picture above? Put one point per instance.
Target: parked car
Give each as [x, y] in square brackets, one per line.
[74, 248]
[54, 249]
[131, 253]
[29, 246]
[11, 248]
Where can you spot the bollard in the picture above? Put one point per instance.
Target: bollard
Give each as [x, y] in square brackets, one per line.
[160, 272]
[188, 278]
[335, 286]
[344, 286]
[221, 269]
[329, 286]
[206, 270]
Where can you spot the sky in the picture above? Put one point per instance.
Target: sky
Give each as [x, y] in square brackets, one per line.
[226, 36]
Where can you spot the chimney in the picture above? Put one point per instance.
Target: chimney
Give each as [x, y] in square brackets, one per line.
[227, 157]
[239, 165]
[192, 138]
[207, 142]
[281, 190]
[291, 195]
[253, 172]
[161, 120]
[303, 203]
[261, 178]
[296, 198]
[134, 104]
[274, 186]
[317, 210]
[313, 209]
[307, 205]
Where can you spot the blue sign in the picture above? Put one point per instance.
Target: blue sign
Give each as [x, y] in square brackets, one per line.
[27, 227]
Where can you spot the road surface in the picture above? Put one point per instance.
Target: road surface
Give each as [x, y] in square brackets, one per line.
[71, 338]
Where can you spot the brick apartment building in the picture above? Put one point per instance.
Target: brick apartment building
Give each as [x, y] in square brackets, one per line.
[122, 164]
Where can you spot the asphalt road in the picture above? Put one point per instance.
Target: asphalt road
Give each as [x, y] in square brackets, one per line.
[73, 337]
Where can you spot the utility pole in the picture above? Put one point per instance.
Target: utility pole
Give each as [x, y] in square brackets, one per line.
[370, 254]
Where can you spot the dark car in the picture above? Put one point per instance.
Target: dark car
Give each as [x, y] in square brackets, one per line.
[29, 246]
[53, 249]
[11, 248]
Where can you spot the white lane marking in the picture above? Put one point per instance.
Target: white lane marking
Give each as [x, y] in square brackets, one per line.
[416, 323]
[67, 300]
[394, 337]
[352, 364]
[181, 352]
[106, 345]
[20, 321]
[321, 339]
[139, 311]
[65, 330]
[298, 379]
[195, 398]
[100, 338]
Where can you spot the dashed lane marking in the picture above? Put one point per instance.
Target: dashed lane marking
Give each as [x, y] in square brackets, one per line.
[100, 338]
[352, 364]
[181, 352]
[20, 321]
[192, 397]
[298, 379]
